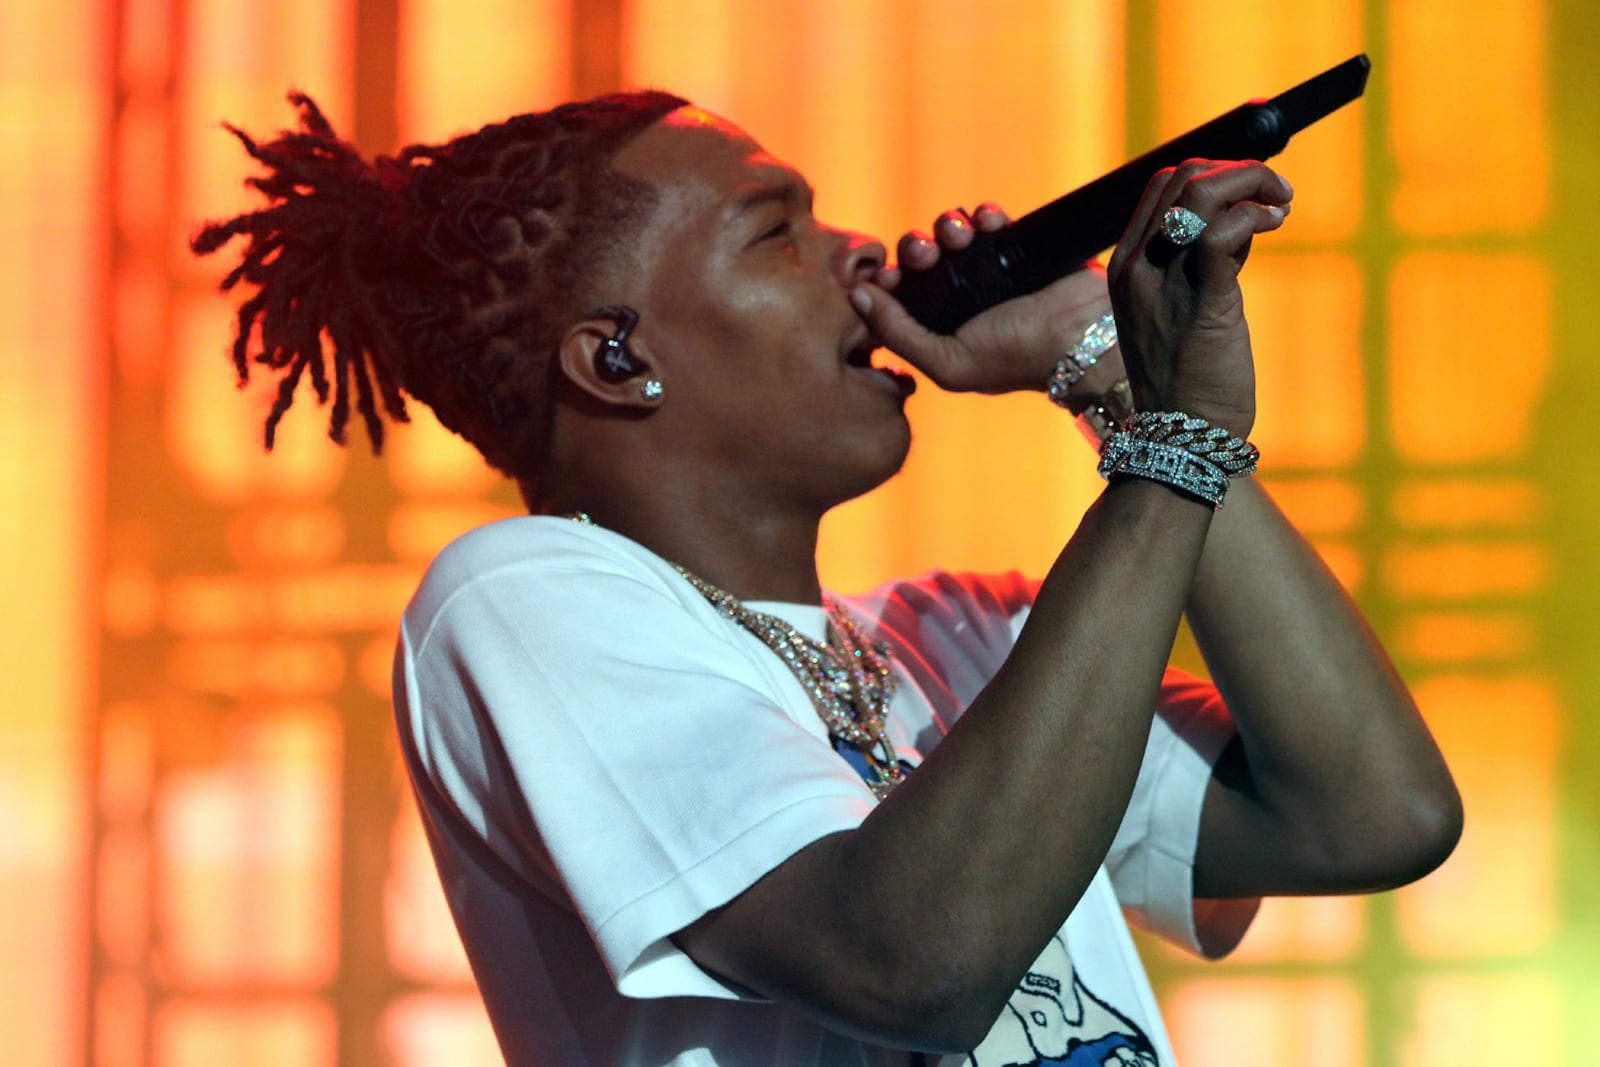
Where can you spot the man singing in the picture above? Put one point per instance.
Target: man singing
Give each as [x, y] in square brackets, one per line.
[690, 808]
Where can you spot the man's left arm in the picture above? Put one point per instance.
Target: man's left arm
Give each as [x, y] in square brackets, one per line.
[1334, 783]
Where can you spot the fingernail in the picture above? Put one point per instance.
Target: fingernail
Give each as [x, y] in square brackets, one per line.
[861, 300]
[1276, 212]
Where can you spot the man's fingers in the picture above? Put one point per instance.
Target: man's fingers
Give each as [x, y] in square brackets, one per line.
[1212, 191]
[990, 217]
[891, 323]
[954, 230]
[886, 278]
[1208, 188]
[1224, 244]
[917, 251]
[1156, 196]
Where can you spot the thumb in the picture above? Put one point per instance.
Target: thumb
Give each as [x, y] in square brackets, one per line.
[934, 354]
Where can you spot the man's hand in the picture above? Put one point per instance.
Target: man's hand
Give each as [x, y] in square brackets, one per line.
[1180, 315]
[1005, 349]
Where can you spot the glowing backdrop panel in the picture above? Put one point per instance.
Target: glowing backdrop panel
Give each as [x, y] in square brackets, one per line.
[207, 852]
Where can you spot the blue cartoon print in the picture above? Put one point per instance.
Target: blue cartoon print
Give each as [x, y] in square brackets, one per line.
[1053, 1018]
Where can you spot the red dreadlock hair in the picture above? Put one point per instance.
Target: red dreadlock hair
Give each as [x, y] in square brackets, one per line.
[444, 272]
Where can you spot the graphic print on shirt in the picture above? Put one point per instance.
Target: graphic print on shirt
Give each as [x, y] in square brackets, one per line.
[1053, 1018]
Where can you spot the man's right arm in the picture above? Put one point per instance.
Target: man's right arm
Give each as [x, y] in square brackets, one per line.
[914, 929]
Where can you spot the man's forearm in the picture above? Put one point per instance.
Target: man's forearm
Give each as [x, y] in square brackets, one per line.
[1009, 817]
[1341, 786]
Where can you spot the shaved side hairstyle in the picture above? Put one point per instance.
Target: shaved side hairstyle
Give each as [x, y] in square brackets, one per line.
[445, 272]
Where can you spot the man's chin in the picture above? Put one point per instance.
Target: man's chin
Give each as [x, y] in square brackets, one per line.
[893, 460]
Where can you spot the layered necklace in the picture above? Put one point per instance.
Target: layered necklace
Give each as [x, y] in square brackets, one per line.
[847, 676]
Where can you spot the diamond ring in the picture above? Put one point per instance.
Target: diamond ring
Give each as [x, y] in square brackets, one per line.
[1181, 226]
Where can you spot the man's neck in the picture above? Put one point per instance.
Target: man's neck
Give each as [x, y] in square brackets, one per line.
[748, 551]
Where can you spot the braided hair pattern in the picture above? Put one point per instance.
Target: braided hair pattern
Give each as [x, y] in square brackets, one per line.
[445, 273]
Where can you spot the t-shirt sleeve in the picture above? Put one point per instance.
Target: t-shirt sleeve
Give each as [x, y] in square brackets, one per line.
[610, 740]
[1151, 861]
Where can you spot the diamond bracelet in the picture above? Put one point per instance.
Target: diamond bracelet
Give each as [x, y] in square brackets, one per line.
[1096, 342]
[1126, 456]
[1234, 456]
[1180, 450]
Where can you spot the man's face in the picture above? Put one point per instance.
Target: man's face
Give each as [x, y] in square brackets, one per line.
[743, 298]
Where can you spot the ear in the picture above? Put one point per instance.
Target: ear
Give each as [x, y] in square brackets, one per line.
[583, 344]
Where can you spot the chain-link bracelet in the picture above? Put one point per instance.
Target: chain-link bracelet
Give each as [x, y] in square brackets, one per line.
[1096, 342]
[1183, 451]
[1235, 456]
[1107, 413]
[1126, 457]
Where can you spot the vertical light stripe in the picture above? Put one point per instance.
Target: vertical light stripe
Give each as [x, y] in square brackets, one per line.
[685, 47]
[852, 151]
[463, 65]
[53, 101]
[1305, 326]
[240, 62]
[846, 146]
[1469, 115]
[1082, 81]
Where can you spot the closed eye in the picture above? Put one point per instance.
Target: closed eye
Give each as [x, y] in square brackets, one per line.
[782, 229]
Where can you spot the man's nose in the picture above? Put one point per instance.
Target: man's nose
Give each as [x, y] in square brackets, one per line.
[858, 256]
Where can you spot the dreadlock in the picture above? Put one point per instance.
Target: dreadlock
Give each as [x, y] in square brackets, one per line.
[440, 273]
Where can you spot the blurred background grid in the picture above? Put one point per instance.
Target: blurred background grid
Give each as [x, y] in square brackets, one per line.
[208, 854]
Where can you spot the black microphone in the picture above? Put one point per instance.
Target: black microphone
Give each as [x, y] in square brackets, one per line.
[1058, 238]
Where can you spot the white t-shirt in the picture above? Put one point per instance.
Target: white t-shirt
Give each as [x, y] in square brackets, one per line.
[601, 758]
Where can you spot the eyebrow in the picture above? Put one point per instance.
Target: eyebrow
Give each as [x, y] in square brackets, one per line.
[787, 191]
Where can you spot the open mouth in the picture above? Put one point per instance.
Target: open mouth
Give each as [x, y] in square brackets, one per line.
[860, 357]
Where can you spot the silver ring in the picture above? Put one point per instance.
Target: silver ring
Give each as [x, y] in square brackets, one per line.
[1181, 226]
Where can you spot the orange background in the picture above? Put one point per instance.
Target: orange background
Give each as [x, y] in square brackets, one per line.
[206, 852]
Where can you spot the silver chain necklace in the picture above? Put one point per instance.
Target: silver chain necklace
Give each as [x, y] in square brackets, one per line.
[848, 677]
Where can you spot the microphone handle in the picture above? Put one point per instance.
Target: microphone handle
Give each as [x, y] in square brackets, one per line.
[1058, 238]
